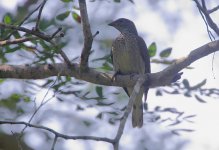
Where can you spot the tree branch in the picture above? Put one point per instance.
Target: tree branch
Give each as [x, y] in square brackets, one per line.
[88, 38]
[57, 134]
[17, 41]
[39, 15]
[114, 141]
[54, 143]
[33, 32]
[204, 10]
[132, 98]
[28, 16]
[161, 78]
[213, 9]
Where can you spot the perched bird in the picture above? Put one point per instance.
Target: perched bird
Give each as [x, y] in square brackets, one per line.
[130, 55]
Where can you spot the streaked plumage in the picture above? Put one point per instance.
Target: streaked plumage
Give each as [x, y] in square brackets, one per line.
[130, 55]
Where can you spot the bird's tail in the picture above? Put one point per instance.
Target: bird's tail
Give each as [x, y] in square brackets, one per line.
[137, 111]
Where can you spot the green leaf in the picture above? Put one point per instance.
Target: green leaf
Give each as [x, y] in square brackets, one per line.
[2, 56]
[76, 17]
[159, 93]
[99, 116]
[67, 1]
[76, 7]
[11, 101]
[63, 16]
[7, 19]
[45, 45]
[79, 108]
[112, 113]
[166, 52]
[11, 50]
[20, 111]
[1, 81]
[152, 49]
[16, 34]
[106, 67]
[15, 97]
[186, 84]
[132, 1]
[199, 99]
[104, 104]
[99, 91]
[106, 58]
[45, 23]
[26, 99]
[68, 78]
[87, 123]
[57, 86]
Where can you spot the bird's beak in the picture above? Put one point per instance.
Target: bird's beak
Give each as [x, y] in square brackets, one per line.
[111, 24]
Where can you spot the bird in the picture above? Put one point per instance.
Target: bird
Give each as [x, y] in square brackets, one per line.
[130, 56]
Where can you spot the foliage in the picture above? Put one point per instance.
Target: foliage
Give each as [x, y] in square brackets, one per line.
[83, 95]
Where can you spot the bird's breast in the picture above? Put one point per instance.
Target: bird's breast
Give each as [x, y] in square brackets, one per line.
[126, 58]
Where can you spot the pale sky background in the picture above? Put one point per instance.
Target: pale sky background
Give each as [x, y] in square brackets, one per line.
[190, 35]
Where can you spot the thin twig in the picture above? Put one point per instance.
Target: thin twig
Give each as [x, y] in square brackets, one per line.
[39, 15]
[207, 16]
[64, 56]
[55, 33]
[57, 133]
[54, 143]
[43, 102]
[28, 16]
[36, 33]
[213, 9]
[42, 36]
[17, 41]
[208, 22]
[212, 66]
[210, 35]
[96, 34]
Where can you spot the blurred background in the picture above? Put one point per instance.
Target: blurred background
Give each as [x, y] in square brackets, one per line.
[180, 116]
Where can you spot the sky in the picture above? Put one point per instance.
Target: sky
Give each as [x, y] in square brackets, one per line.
[182, 28]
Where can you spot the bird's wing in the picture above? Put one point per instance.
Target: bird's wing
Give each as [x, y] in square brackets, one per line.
[144, 54]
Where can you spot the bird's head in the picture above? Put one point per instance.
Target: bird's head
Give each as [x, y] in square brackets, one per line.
[124, 25]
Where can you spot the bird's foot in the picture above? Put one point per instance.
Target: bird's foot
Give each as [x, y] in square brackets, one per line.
[114, 76]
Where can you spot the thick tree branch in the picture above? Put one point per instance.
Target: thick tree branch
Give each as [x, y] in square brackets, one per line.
[161, 78]
[88, 38]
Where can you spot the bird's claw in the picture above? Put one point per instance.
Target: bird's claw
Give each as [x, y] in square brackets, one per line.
[114, 76]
